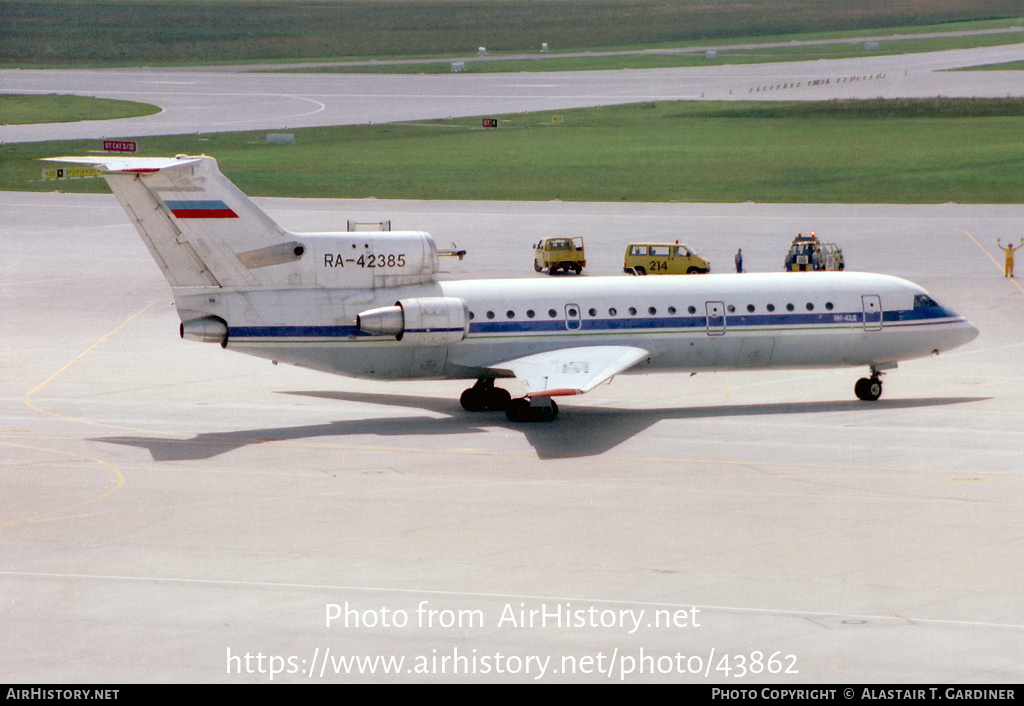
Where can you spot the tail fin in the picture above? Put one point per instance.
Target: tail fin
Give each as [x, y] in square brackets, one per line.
[199, 227]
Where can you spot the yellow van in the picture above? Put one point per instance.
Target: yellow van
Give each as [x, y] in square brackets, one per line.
[663, 259]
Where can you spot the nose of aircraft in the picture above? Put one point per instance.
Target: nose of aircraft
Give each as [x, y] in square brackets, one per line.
[971, 331]
[959, 333]
[962, 333]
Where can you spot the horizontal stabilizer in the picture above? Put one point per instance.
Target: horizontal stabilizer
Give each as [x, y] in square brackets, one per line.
[571, 371]
[129, 165]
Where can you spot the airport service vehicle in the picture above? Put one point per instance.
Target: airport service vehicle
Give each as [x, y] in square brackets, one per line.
[663, 259]
[811, 254]
[554, 254]
[369, 304]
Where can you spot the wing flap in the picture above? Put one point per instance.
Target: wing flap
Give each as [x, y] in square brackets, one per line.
[571, 371]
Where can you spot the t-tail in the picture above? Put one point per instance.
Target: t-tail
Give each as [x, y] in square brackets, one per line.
[199, 227]
[204, 232]
[215, 246]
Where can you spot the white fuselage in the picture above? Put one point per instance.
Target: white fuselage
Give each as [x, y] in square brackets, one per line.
[691, 323]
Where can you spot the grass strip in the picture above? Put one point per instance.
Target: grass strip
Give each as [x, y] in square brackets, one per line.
[24, 110]
[879, 151]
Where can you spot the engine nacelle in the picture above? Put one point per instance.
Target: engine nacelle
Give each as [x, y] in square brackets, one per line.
[424, 321]
[383, 321]
[208, 329]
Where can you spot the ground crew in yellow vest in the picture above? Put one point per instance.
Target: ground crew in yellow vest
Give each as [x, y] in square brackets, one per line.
[1008, 251]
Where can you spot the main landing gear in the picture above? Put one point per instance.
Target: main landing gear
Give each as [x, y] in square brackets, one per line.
[869, 389]
[525, 409]
[485, 397]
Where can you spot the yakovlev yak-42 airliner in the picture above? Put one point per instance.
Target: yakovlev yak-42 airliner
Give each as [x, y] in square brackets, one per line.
[370, 304]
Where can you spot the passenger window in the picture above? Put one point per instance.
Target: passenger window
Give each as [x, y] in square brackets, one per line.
[659, 251]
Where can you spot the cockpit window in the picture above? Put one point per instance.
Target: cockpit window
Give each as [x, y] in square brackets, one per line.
[923, 301]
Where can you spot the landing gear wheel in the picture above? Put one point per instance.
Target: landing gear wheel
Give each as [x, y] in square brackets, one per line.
[498, 399]
[485, 397]
[868, 389]
[520, 410]
[545, 413]
[472, 400]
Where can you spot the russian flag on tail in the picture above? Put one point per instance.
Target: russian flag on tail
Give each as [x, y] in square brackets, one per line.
[200, 209]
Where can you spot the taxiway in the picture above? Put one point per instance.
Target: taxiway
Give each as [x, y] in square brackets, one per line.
[170, 507]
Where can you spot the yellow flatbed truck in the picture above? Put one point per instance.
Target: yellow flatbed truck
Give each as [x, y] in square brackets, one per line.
[554, 254]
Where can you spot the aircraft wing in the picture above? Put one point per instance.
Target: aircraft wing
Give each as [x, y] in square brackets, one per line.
[571, 371]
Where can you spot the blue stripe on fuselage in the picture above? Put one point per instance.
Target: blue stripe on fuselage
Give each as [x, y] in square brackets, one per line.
[920, 315]
[295, 332]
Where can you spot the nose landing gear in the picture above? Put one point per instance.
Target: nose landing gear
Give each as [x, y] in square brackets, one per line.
[869, 389]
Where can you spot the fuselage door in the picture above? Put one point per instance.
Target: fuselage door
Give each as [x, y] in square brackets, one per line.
[573, 320]
[872, 312]
[716, 318]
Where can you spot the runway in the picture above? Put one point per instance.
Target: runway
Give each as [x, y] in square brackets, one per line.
[176, 513]
[204, 100]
